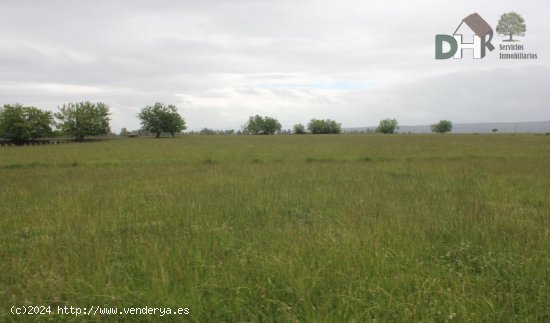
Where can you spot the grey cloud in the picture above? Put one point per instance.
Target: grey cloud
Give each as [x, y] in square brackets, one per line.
[212, 57]
[503, 94]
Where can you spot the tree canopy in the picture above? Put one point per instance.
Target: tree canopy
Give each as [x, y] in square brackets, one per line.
[442, 126]
[19, 123]
[388, 126]
[258, 125]
[299, 129]
[159, 118]
[82, 119]
[511, 24]
[317, 126]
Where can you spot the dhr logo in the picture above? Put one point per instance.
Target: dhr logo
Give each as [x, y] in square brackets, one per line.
[482, 36]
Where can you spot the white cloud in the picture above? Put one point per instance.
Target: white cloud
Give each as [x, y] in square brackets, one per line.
[220, 62]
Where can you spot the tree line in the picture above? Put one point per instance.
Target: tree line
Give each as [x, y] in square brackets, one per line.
[20, 123]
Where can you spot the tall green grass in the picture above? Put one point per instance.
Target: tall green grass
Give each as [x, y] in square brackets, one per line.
[281, 228]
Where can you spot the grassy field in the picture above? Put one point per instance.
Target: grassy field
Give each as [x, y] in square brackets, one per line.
[344, 228]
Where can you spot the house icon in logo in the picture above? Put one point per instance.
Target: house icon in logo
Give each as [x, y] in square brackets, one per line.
[474, 28]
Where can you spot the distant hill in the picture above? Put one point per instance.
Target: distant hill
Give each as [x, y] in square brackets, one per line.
[506, 127]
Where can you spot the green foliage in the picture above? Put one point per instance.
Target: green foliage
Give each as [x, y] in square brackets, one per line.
[82, 119]
[208, 132]
[159, 118]
[124, 132]
[388, 126]
[212, 132]
[511, 24]
[319, 126]
[258, 125]
[299, 129]
[442, 126]
[19, 123]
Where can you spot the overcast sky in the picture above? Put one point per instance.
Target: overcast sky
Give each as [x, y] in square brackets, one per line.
[221, 61]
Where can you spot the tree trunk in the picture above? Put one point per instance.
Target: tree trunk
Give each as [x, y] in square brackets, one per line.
[158, 134]
[511, 37]
[173, 135]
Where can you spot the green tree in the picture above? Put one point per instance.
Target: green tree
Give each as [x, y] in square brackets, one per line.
[254, 125]
[82, 119]
[442, 126]
[299, 129]
[19, 123]
[258, 125]
[159, 118]
[388, 126]
[206, 131]
[318, 126]
[511, 24]
[124, 132]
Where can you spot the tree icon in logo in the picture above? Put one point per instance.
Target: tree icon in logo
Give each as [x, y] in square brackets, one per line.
[511, 24]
